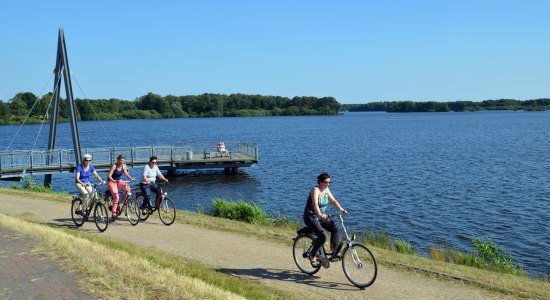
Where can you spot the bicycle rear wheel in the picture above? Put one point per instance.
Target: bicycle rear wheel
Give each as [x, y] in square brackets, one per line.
[79, 218]
[132, 211]
[101, 217]
[300, 251]
[167, 211]
[139, 201]
[359, 265]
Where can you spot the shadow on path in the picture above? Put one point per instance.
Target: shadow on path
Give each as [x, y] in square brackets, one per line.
[289, 276]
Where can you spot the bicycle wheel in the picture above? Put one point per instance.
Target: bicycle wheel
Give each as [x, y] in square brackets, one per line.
[300, 251]
[167, 211]
[101, 216]
[132, 211]
[79, 218]
[359, 265]
[139, 201]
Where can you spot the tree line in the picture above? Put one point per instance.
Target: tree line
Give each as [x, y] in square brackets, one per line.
[153, 106]
[459, 106]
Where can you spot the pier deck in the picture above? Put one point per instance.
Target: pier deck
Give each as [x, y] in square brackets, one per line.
[17, 164]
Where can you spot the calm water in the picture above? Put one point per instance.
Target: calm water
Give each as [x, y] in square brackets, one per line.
[431, 179]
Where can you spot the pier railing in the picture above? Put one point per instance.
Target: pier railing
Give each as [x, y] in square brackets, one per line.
[20, 162]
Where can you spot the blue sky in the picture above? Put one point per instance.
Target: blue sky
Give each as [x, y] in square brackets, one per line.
[355, 51]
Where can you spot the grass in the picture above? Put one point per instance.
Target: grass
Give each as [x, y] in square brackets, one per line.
[117, 268]
[382, 246]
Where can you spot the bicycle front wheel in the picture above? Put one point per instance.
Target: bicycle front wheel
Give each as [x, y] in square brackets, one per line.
[78, 218]
[132, 211]
[359, 265]
[167, 211]
[300, 251]
[101, 217]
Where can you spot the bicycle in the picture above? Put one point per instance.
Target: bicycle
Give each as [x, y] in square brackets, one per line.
[358, 262]
[128, 205]
[164, 205]
[81, 214]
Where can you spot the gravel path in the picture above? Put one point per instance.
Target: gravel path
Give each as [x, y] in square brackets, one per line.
[266, 262]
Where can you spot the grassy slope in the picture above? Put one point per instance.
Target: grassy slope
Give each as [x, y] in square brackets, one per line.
[521, 286]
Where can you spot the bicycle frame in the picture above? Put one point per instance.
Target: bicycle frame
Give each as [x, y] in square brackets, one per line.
[160, 196]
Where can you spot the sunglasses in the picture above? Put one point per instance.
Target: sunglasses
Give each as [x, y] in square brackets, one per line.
[87, 160]
[154, 162]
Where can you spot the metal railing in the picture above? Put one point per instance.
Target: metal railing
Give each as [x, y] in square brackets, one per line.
[21, 161]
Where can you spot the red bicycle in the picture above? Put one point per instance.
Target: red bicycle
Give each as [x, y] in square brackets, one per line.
[128, 205]
[164, 205]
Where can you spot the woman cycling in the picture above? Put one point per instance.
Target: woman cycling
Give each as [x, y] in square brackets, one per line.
[117, 169]
[82, 180]
[148, 178]
[316, 219]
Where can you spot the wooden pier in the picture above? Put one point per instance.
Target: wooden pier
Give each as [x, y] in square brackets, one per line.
[17, 164]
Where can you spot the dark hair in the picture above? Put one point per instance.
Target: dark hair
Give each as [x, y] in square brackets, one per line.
[324, 176]
[152, 158]
[121, 156]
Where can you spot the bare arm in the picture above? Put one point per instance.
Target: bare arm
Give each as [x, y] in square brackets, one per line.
[336, 203]
[97, 176]
[111, 171]
[126, 172]
[77, 178]
[159, 174]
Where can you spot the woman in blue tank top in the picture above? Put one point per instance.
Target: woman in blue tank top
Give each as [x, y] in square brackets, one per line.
[316, 219]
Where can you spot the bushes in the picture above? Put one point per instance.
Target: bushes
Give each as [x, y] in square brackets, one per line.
[249, 212]
[486, 255]
[30, 184]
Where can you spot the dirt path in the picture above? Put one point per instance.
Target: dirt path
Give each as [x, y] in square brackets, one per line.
[267, 262]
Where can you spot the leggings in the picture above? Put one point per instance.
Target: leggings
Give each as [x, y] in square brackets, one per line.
[317, 227]
[113, 187]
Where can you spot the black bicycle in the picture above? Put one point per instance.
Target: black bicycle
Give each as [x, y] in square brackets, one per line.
[80, 213]
[164, 205]
[358, 262]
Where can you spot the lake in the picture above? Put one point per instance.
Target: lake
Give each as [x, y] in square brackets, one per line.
[428, 178]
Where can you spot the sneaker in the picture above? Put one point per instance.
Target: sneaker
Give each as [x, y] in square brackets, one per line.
[315, 263]
[335, 258]
[112, 219]
[324, 261]
[78, 211]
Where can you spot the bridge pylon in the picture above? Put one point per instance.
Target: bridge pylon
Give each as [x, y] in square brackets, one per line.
[62, 70]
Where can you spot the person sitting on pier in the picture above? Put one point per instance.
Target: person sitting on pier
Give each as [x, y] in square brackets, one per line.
[148, 178]
[222, 150]
[82, 180]
[115, 182]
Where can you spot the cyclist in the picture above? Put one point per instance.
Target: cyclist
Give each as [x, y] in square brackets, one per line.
[148, 178]
[82, 180]
[316, 219]
[115, 174]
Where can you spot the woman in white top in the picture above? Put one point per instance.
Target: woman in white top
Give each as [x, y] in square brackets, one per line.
[148, 178]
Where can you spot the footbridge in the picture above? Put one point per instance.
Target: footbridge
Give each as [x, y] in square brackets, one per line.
[19, 163]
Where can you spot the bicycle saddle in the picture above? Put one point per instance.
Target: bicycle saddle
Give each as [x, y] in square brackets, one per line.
[304, 231]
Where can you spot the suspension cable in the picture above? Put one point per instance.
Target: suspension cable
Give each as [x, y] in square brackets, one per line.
[30, 111]
[95, 114]
[45, 114]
